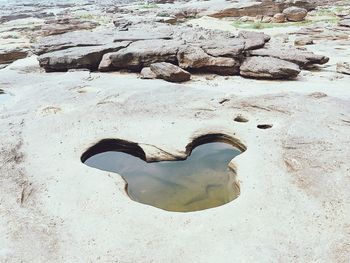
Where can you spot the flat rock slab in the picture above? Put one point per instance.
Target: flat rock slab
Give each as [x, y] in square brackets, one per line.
[141, 54]
[232, 47]
[77, 57]
[269, 68]
[170, 72]
[144, 34]
[74, 39]
[9, 55]
[301, 57]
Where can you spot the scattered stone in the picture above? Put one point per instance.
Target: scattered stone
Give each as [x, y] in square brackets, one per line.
[301, 57]
[246, 19]
[77, 57]
[122, 24]
[168, 20]
[147, 73]
[317, 95]
[303, 41]
[170, 72]
[266, 19]
[343, 67]
[295, 14]
[279, 18]
[191, 57]
[269, 68]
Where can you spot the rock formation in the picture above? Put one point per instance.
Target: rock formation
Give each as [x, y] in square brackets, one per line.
[197, 50]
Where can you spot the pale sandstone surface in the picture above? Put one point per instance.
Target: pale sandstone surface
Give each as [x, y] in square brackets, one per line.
[294, 178]
[294, 202]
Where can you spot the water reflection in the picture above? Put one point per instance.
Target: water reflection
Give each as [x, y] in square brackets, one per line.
[202, 181]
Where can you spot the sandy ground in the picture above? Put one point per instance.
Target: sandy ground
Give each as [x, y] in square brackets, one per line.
[294, 203]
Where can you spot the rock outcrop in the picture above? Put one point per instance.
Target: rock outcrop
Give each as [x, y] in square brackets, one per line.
[268, 68]
[194, 50]
[77, 57]
[298, 56]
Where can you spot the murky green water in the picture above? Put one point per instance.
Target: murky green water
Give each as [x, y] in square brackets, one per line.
[202, 181]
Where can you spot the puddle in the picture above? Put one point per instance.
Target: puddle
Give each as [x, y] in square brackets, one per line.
[202, 181]
[4, 96]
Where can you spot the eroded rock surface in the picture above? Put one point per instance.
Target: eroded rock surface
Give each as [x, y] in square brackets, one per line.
[78, 57]
[200, 50]
[301, 57]
[268, 68]
[295, 14]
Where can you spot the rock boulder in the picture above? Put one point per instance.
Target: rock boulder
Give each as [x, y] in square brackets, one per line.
[170, 72]
[295, 14]
[268, 68]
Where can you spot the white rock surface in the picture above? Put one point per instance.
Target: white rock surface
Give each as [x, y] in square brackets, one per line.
[294, 181]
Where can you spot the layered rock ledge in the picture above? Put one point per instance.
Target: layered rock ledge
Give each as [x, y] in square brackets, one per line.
[193, 50]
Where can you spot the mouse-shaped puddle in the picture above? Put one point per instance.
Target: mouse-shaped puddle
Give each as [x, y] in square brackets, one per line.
[203, 180]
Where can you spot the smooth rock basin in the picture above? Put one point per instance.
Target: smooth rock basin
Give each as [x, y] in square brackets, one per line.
[203, 180]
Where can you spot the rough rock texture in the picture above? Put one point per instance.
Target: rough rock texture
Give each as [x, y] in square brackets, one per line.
[77, 57]
[253, 40]
[232, 47]
[279, 18]
[302, 41]
[203, 50]
[143, 53]
[343, 67]
[8, 55]
[269, 68]
[295, 14]
[195, 58]
[169, 72]
[301, 57]
[147, 73]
